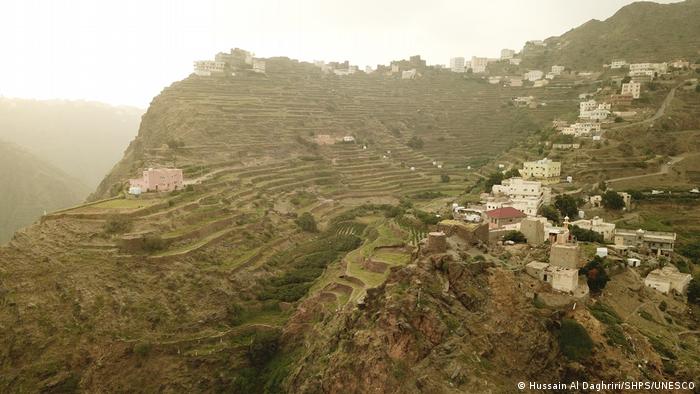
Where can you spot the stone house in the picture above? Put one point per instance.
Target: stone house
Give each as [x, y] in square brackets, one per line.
[158, 180]
[667, 279]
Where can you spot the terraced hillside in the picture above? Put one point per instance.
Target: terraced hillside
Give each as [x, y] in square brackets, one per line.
[251, 117]
[169, 291]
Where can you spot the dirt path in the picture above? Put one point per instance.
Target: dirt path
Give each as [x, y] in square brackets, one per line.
[665, 168]
[659, 112]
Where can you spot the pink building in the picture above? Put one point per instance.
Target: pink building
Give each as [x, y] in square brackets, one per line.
[158, 180]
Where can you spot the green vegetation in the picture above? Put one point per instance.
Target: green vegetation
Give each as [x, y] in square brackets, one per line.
[584, 235]
[416, 142]
[567, 205]
[175, 143]
[694, 291]
[605, 313]
[117, 225]
[300, 266]
[613, 200]
[444, 178]
[691, 250]
[574, 341]
[550, 212]
[515, 236]
[307, 222]
[596, 275]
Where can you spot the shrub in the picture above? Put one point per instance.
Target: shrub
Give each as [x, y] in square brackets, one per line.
[117, 225]
[142, 349]
[415, 142]
[574, 341]
[426, 218]
[493, 179]
[515, 236]
[691, 250]
[444, 178]
[153, 243]
[174, 143]
[307, 222]
[605, 314]
[263, 347]
[694, 291]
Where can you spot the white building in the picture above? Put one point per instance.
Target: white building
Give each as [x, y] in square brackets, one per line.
[542, 169]
[507, 54]
[533, 75]
[666, 279]
[557, 70]
[644, 68]
[592, 110]
[582, 129]
[515, 61]
[409, 74]
[259, 66]
[586, 107]
[523, 195]
[478, 64]
[515, 81]
[617, 64]
[208, 67]
[607, 230]
[457, 64]
[561, 279]
[633, 89]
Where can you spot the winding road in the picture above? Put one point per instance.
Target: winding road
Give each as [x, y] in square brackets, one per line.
[665, 168]
[659, 112]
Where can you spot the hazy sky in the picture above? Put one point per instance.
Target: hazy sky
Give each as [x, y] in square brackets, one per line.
[126, 51]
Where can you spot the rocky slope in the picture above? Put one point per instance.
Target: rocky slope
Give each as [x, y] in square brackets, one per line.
[640, 32]
[31, 186]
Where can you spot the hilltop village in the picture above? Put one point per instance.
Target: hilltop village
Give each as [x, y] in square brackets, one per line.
[314, 226]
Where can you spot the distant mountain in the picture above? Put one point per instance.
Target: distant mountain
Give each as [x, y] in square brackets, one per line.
[639, 32]
[83, 139]
[30, 186]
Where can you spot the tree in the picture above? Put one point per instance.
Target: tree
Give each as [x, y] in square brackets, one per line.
[691, 251]
[613, 200]
[493, 179]
[444, 178]
[697, 88]
[596, 276]
[584, 235]
[307, 222]
[550, 212]
[512, 173]
[626, 79]
[567, 205]
[515, 236]
[694, 291]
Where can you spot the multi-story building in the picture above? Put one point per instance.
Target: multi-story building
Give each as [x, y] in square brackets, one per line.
[515, 61]
[507, 54]
[541, 169]
[534, 75]
[633, 89]
[208, 67]
[648, 69]
[526, 196]
[409, 74]
[457, 64]
[582, 129]
[158, 179]
[478, 64]
[661, 243]
[259, 66]
[557, 70]
[617, 64]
